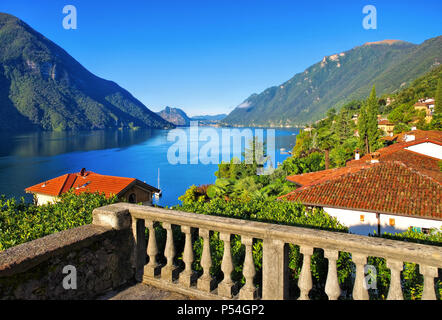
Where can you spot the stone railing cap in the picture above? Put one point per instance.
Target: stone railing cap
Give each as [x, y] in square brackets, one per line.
[115, 216]
[27, 255]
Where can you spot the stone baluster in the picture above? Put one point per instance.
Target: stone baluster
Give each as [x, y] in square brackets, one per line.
[150, 270]
[359, 290]
[225, 287]
[305, 278]
[139, 254]
[186, 275]
[395, 291]
[205, 282]
[248, 291]
[167, 271]
[332, 288]
[275, 270]
[429, 274]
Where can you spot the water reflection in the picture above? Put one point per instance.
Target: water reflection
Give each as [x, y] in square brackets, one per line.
[29, 158]
[46, 144]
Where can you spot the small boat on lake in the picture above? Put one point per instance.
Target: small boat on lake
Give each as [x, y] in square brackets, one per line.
[158, 194]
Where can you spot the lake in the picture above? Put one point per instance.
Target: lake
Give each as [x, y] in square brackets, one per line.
[29, 158]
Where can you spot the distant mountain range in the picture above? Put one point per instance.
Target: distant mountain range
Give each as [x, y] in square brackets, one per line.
[179, 118]
[216, 117]
[175, 115]
[339, 78]
[43, 87]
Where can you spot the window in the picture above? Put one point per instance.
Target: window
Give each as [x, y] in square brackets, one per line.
[132, 198]
[392, 222]
[419, 229]
[362, 218]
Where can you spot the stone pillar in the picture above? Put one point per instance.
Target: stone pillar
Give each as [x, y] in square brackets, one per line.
[186, 275]
[112, 216]
[248, 291]
[205, 282]
[429, 274]
[395, 290]
[359, 290]
[151, 269]
[332, 288]
[225, 287]
[305, 278]
[167, 272]
[117, 217]
[139, 255]
[274, 270]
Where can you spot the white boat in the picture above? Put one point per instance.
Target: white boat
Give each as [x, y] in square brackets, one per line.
[158, 194]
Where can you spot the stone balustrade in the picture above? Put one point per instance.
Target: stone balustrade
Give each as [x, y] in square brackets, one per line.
[275, 240]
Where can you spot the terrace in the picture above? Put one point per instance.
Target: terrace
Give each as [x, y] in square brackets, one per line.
[115, 252]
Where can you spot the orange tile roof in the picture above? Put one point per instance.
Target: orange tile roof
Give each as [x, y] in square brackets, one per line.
[424, 164]
[421, 104]
[90, 182]
[402, 182]
[386, 151]
[323, 175]
[421, 134]
[389, 187]
[385, 123]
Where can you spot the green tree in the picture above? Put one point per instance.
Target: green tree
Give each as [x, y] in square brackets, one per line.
[304, 142]
[343, 126]
[401, 127]
[326, 141]
[368, 124]
[331, 114]
[373, 133]
[362, 128]
[404, 113]
[438, 97]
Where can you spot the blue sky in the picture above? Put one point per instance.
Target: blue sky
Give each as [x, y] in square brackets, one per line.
[206, 57]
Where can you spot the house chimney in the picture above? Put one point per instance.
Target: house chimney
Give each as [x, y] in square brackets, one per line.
[375, 157]
[357, 156]
[82, 172]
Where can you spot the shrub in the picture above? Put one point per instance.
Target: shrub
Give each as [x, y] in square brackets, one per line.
[279, 212]
[22, 222]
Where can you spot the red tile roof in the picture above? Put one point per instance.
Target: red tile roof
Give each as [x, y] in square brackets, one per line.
[403, 182]
[385, 122]
[387, 151]
[420, 134]
[389, 187]
[90, 182]
[321, 176]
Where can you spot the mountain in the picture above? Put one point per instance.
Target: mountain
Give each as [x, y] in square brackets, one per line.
[179, 118]
[337, 79]
[43, 87]
[216, 117]
[175, 115]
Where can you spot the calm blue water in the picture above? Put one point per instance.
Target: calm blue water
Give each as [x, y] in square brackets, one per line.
[27, 159]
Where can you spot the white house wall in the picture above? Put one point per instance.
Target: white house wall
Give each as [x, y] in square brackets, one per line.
[352, 219]
[403, 223]
[44, 199]
[427, 148]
